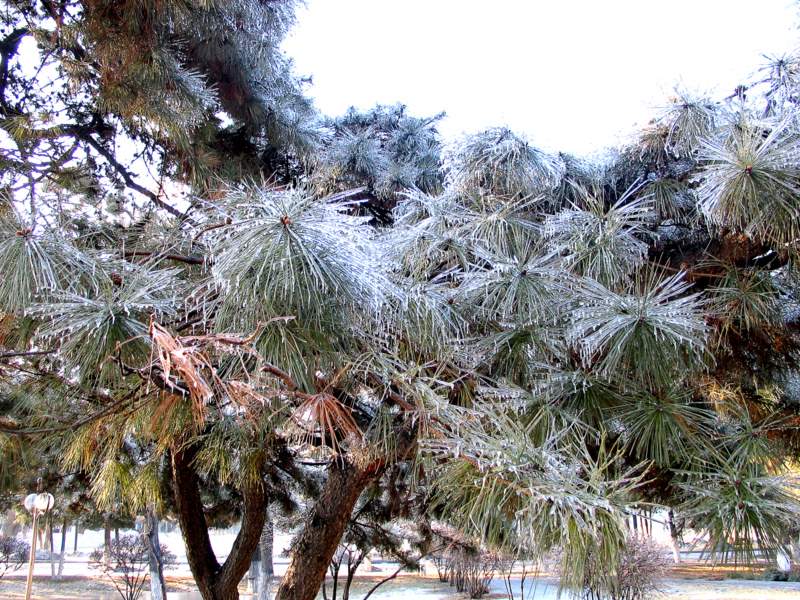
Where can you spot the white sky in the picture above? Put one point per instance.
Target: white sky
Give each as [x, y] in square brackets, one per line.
[574, 75]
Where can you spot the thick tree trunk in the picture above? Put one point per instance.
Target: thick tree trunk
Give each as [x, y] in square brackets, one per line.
[313, 549]
[214, 581]
[158, 589]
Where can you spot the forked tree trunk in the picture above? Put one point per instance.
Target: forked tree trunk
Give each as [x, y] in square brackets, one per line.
[313, 549]
[214, 581]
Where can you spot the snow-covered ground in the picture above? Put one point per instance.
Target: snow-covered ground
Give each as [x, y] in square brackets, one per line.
[414, 588]
[77, 563]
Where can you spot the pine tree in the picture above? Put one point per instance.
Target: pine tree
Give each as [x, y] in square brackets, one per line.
[215, 301]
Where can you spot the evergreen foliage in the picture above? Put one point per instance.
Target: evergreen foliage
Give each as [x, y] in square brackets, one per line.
[215, 300]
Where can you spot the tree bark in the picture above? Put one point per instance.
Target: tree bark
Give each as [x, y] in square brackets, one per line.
[63, 550]
[261, 567]
[674, 537]
[313, 549]
[158, 589]
[253, 572]
[265, 546]
[214, 581]
[106, 541]
[50, 545]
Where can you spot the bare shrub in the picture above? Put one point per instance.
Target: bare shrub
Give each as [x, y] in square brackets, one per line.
[642, 565]
[126, 567]
[511, 566]
[471, 572]
[13, 554]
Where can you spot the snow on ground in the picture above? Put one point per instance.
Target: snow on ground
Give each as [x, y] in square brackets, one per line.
[409, 587]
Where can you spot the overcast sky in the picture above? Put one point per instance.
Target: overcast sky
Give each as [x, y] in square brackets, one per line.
[574, 75]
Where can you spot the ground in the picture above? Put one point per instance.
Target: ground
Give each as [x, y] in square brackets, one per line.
[692, 583]
[692, 580]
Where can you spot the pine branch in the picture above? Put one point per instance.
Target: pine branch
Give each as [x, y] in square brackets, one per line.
[6, 427]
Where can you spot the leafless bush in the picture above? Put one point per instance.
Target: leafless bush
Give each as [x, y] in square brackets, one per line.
[441, 561]
[13, 554]
[510, 567]
[127, 564]
[471, 571]
[642, 565]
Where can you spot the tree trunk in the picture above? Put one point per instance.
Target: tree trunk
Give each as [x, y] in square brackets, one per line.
[253, 572]
[158, 589]
[75, 543]
[63, 549]
[675, 537]
[214, 581]
[51, 545]
[314, 548]
[106, 541]
[795, 550]
[261, 568]
[267, 570]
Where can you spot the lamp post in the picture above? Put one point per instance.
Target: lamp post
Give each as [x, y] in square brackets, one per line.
[35, 504]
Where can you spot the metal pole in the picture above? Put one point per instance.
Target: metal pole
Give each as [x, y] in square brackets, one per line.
[32, 560]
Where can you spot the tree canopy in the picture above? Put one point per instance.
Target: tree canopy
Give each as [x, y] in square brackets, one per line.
[215, 299]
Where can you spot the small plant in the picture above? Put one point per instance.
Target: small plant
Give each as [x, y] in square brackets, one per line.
[642, 565]
[516, 570]
[471, 571]
[442, 563]
[125, 564]
[13, 554]
[774, 574]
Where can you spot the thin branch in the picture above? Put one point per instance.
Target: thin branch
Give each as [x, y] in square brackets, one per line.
[188, 259]
[382, 581]
[211, 227]
[31, 353]
[6, 428]
[282, 375]
[125, 174]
